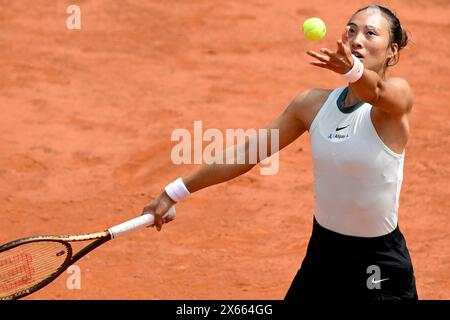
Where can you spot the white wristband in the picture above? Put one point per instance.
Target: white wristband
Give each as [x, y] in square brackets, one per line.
[177, 190]
[356, 72]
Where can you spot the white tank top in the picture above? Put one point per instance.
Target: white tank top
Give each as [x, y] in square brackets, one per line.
[357, 178]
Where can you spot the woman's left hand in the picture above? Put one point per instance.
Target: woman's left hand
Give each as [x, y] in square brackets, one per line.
[340, 61]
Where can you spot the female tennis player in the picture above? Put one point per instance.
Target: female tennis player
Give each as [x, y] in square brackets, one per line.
[358, 136]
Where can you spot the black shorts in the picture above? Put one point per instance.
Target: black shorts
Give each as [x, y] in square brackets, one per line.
[340, 267]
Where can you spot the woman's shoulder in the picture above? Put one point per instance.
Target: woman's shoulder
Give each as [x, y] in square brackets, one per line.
[313, 96]
[309, 102]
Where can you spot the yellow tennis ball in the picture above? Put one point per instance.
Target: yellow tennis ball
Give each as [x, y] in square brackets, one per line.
[314, 29]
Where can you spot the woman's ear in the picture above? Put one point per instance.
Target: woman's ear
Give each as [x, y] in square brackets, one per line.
[392, 53]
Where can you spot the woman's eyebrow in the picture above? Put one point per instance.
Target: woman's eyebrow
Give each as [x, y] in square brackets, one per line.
[372, 27]
[369, 26]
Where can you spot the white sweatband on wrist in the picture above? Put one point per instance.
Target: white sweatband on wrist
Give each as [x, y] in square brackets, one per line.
[356, 72]
[177, 190]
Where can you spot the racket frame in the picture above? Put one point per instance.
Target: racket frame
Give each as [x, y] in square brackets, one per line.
[100, 238]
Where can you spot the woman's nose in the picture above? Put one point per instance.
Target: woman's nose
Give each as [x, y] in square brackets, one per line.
[355, 40]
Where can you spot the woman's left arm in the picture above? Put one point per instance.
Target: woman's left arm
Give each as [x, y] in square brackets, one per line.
[393, 96]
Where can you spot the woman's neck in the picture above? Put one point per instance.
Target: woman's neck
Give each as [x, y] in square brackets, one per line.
[350, 99]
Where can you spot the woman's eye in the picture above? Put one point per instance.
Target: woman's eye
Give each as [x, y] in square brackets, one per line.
[371, 33]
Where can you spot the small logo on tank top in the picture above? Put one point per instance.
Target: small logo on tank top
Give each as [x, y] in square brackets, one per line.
[337, 136]
[341, 128]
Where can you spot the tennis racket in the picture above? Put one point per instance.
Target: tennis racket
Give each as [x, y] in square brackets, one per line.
[29, 264]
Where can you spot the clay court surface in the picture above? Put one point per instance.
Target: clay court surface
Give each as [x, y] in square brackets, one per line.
[86, 118]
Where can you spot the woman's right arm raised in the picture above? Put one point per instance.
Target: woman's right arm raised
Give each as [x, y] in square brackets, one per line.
[290, 125]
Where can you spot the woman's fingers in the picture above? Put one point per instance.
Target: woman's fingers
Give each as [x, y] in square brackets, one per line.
[326, 62]
[151, 206]
[318, 56]
[328, 52]
[169, 215]
[340, 47]
[334, 61]
[319, 64]
[163, 214]
[168, 219]
[344, 36]
[343, 42]
[149, 209]
[159, 208]
[159, 212]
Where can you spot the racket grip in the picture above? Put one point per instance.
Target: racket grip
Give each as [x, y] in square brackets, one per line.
[136, 223]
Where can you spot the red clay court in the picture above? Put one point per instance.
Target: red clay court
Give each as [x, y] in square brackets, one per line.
[86, 119]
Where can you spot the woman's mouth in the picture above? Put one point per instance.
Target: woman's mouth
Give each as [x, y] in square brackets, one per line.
[358, 55]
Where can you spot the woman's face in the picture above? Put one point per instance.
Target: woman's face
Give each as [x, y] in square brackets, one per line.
[369, 35]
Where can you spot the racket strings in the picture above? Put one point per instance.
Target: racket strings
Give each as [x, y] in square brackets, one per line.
[29, 264]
